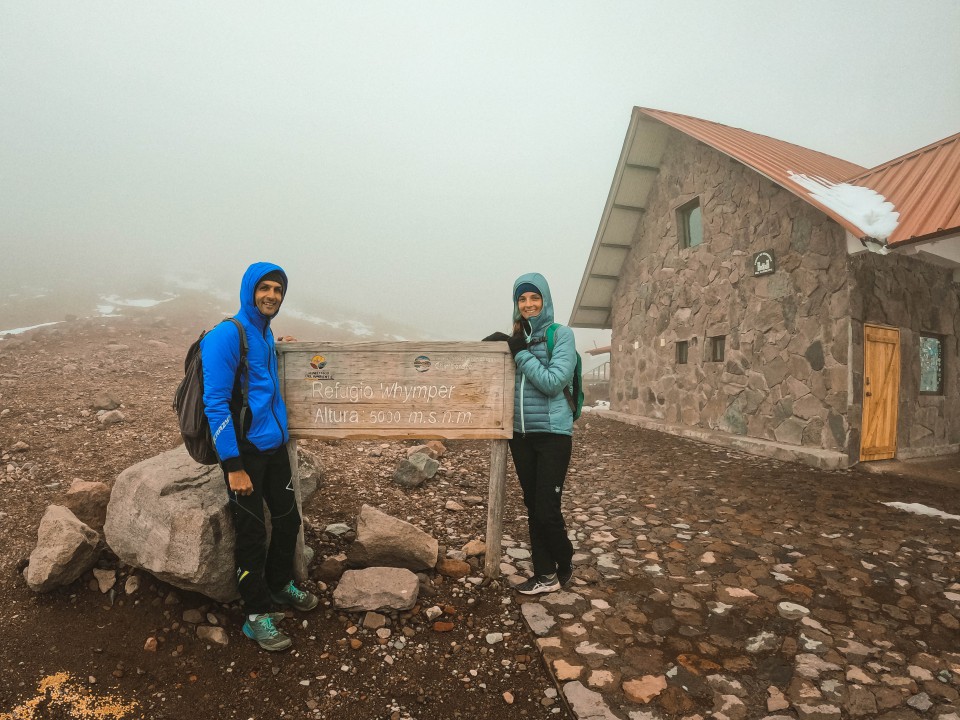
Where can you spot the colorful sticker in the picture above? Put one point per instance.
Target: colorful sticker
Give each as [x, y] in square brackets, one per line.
[318, 362]
[421, 363]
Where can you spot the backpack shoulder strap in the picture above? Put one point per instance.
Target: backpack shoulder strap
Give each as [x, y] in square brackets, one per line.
[551, 338]
[243, 366]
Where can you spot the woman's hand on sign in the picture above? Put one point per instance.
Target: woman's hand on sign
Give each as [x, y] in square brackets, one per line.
[496, 337]
[240, 482]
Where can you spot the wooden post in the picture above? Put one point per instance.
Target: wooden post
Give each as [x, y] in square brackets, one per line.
[300, 561]
[498, 486]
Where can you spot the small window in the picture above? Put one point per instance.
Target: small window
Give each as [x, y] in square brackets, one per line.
[715, 347]
[690, 224]
[931, 365]
[682, 352]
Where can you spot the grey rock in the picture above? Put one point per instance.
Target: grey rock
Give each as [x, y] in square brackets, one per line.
[377, 588]
[538, 618]
[415, 470]
[110, 417]
[586, 704]
[66, 549]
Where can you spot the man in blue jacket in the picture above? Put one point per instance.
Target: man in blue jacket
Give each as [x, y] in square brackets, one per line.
[253, 456]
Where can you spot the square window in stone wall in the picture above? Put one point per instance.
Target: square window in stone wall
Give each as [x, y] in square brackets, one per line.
[931, 365]
[690, 224]
[682, 346]
[715, 347]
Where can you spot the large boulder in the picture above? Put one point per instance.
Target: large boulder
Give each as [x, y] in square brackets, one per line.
[169, 516]
[383, 540]
[66, 549]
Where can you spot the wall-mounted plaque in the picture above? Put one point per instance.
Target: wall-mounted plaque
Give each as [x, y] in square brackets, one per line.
[764, 263]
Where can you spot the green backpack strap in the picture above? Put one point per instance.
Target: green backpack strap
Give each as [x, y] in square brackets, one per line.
[551, 340]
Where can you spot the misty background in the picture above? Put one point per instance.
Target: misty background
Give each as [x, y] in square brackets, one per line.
[409, 160]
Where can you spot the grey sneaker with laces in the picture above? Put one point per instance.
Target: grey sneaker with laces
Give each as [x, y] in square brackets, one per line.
[538, 584]
[262, 630]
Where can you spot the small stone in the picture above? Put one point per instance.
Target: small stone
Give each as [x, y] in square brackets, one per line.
[216, 635]
[106, 579]
[644, 689]
[494, 638]
[508, 698]
[131, 585]
[792, 611]
[150, 645]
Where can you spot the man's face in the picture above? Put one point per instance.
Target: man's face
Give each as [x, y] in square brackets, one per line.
[267, 297]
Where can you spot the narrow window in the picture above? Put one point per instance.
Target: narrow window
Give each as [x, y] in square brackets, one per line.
[682, 352]
[931, 365]
[715, 346]
[690, 224]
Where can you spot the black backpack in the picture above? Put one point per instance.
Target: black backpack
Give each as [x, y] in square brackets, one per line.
[188, 400]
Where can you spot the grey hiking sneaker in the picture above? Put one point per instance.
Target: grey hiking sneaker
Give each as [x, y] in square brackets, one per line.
[564, 576]
[538, 584]
[294, 596]
[264, 632]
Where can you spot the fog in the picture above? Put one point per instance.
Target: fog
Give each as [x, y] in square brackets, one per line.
[409, 160]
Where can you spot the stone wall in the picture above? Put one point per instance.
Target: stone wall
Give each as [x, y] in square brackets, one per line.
[785, 376]
[915, 296]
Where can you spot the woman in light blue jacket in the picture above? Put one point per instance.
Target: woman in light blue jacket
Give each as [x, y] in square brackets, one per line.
[542, 428]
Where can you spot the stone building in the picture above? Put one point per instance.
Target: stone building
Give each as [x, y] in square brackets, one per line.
[772, 298]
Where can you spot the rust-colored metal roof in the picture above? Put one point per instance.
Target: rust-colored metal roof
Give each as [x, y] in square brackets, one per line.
[775, 159]
[924, 187]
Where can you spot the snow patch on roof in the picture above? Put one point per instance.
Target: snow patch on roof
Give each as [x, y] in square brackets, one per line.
[867, 209]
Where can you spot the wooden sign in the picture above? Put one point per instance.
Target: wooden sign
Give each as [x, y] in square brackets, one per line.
[399, 390]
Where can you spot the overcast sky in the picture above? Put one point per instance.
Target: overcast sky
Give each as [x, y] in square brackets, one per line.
[410, 159]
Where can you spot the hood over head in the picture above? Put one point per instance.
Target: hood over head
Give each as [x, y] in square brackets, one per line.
[542, 321]
[248, 286]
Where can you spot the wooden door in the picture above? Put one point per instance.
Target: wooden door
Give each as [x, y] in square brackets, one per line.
[881, 392]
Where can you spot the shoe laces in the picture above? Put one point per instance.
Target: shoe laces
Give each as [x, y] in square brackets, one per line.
[266, 623]
[295, 592]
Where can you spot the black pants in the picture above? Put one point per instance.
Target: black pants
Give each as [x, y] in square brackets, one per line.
[541, 460]
[260, 570]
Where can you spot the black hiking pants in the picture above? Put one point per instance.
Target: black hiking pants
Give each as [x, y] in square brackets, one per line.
[264, 564]
[541, 460]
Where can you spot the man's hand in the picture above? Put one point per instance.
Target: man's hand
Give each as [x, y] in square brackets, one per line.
[240, 482]
[286, 338]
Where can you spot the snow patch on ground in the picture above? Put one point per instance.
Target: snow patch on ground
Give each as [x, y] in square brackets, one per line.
[598, 405]
[867, 209]
[18, 331]
[137, 302]
[919, 509]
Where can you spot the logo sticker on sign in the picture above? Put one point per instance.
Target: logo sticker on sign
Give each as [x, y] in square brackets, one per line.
[421, 363]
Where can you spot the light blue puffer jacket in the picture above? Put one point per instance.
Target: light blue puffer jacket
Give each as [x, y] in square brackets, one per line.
[539, 404]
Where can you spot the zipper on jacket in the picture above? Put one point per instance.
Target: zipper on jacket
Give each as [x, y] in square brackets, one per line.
[272, 363]
[523, 427]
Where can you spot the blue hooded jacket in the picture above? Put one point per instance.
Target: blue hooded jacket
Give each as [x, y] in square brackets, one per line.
[220, 350]
[539, 404]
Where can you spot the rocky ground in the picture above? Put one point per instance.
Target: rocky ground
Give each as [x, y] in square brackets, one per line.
[708, 584]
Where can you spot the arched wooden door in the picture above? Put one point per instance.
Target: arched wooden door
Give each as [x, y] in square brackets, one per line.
[881, 392]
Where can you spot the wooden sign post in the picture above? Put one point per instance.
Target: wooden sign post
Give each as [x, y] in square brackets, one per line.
[404, 390]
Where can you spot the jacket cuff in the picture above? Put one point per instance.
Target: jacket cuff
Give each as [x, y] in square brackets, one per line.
[233, 464]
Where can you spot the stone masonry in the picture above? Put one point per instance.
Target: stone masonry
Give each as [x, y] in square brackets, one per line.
[793, 363]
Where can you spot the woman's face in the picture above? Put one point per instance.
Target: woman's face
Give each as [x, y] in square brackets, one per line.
[529, 304]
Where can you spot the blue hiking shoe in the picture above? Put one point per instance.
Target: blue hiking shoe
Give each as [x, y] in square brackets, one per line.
[295, 597]
[265, 633]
